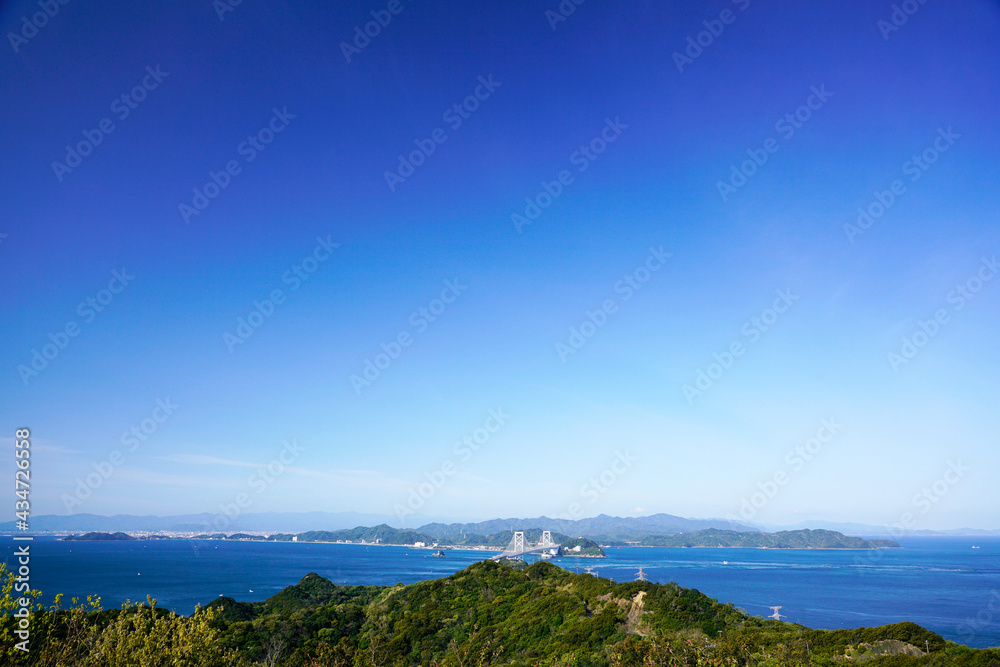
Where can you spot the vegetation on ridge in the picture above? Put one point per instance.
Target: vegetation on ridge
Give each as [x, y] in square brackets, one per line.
[486, 614]
[787, 539]
[86, 537]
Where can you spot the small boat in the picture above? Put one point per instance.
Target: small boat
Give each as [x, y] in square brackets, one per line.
[974, 546]
[725, 562]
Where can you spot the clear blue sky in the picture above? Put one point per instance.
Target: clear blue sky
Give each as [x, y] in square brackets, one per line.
[641, 138]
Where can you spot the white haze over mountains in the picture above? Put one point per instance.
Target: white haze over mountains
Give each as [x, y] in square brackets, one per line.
[622, 528]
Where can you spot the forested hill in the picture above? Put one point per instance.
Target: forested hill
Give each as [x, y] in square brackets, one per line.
[789, 539]
[487, 614]
[102, 537]
[382, 533]
[493, 614]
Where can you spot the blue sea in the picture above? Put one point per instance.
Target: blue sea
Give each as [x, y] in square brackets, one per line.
[941, 583]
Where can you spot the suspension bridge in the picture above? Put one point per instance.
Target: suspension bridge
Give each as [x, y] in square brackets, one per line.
[519, 547]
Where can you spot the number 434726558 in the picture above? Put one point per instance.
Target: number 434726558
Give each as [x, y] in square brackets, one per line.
[23, 474]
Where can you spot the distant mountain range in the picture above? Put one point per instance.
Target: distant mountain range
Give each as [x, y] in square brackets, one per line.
[603, 527]
[607, 528]
[578, 546]
[709, 537]
[612, 528]
[206, 522]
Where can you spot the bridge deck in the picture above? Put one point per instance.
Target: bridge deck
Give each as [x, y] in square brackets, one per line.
[515, 554]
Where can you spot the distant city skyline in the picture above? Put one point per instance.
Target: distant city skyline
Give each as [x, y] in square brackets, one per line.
[721, 260]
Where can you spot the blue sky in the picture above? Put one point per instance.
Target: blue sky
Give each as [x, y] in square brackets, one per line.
[642, 139]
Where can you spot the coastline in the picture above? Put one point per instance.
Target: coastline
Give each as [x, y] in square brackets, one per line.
[144, 537]
[464, 547]
[701, 546]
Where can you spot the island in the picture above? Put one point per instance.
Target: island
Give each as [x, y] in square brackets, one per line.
[581, 547]
[380, 534]
[100, 537]
[786, 539]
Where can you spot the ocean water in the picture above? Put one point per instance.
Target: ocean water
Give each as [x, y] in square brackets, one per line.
[940, 583]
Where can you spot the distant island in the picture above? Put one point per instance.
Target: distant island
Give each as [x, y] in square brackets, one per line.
[105, 537]
[381, 534]
[786, 539]
[570, 546]
[581, 547]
